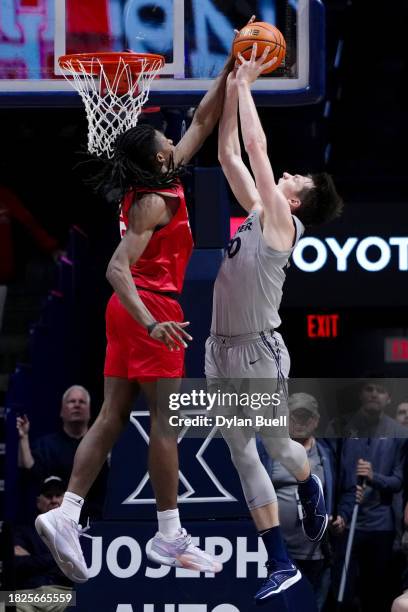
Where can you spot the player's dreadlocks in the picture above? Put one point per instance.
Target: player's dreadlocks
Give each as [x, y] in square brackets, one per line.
[133, 166]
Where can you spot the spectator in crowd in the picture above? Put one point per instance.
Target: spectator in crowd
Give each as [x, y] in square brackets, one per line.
[401, 413]
[373, 461]
[370, 419]
[311, 557]
[399, 560]
[55, 452]
[35, 568]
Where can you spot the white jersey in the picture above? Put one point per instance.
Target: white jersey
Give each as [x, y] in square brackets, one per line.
[248, 287]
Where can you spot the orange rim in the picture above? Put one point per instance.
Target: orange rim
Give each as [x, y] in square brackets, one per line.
[108, 60]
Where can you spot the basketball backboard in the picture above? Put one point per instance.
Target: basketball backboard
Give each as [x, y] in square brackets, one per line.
[193, 35]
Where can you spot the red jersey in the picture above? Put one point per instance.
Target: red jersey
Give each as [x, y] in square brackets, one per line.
[162, 265]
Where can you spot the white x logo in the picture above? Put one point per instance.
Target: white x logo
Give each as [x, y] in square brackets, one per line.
[188, 496]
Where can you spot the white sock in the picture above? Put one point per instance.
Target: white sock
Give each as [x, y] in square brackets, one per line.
[169, 523]
[72, 505]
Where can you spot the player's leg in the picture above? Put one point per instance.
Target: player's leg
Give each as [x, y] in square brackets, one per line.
[119, 397]
[293, 457]
[257, 487]
[262, 503]
[172, 544]
[59, 527]
[163, 452]
[291, 454]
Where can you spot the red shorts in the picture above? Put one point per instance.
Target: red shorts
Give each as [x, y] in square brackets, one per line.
[130, 352]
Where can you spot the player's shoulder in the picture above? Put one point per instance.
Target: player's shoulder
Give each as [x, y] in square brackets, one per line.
[145, 203]
[146, 210]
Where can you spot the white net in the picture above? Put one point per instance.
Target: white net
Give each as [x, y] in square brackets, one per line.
[113, 100]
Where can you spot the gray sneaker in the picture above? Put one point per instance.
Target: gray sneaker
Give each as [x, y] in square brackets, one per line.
[61, 535]
[180, 552]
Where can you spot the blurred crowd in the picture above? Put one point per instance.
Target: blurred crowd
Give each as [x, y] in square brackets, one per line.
[361, 461]
[45, 466]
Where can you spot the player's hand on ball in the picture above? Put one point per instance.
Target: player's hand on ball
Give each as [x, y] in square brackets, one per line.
[249, 70]
[231, 58]
[236, 32]
[172, 334]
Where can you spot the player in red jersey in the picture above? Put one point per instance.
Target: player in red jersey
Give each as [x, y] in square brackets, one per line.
[145, 331]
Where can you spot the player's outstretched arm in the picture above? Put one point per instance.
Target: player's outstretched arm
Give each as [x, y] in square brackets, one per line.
[144, 216]
[229, 150]
[275, 205]
[252, 130]
[206, 116]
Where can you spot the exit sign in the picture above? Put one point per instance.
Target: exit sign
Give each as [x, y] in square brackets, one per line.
[322, 325]
[396, 350]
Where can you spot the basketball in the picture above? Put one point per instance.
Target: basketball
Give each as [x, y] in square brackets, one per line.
[264, 34]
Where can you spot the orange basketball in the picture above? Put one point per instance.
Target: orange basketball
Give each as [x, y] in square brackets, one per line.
[264, 34]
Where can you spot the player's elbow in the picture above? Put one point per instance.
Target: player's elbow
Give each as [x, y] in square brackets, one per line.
[226, 155]
[113, 272]
[256, 145]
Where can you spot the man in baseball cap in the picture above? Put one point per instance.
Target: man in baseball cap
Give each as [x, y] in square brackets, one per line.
[52, 484]
[304, 418]
[51, 493]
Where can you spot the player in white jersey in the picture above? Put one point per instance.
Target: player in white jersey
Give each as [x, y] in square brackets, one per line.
[247, 295]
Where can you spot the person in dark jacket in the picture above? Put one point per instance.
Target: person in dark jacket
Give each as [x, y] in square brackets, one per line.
[373, 458]
[54, 453]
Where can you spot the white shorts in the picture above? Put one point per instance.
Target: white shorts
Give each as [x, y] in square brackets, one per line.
[250, 364]
[257, 355]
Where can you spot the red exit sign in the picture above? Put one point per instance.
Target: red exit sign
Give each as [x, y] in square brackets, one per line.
[396, 350]
[322, 325]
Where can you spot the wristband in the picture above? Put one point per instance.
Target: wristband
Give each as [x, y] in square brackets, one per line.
[151, 327]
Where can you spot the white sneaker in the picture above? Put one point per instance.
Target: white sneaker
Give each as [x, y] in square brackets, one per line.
[180, 552]
[61, 535]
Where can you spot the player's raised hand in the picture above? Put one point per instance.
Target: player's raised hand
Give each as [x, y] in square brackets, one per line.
[236, 32]
[231, 57]
[249, 70]
[172, 334]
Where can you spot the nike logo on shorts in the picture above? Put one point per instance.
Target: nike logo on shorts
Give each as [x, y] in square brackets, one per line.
[252, 362]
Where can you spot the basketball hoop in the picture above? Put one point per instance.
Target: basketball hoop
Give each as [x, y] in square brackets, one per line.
[114, 87]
